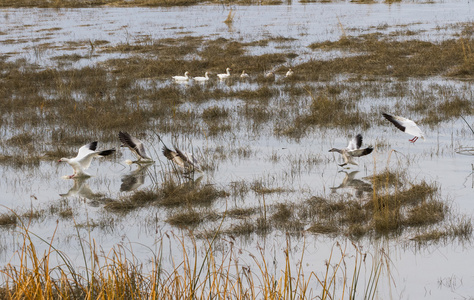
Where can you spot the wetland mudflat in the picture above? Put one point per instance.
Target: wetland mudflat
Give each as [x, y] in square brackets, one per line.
[71, 76]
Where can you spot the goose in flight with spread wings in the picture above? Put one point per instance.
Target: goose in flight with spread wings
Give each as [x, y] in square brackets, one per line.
[136, 146]
[183, 159]
[353, 150]
[405, 125]
[84, 157]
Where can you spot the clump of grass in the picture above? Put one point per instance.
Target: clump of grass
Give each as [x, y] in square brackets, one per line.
[244, 228]
[8, 219]
[240, 213]
[214, 113]
[174, 194]
[185, 219]
[386, 179]
[259, 188]
[323, 228]
[138, 199]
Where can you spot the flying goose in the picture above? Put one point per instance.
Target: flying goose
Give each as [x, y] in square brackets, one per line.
[182, 78]
[353, 150]
[224, 75]
[183, 159]
[405, 125]
[136, 146]
[84, 158]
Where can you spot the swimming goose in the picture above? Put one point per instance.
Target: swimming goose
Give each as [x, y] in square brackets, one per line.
[200, 78]
[269, 74]
[136, 146]
[289, 73]
[183, 159]
[182, 78]
[353, 150]
[405, 125]
[84, 158]
[244, 75]
[224, 75]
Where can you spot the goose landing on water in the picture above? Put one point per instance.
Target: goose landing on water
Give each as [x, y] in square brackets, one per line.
[183, 159]
[136, 146]
[405, 125]
[353, 150]
[84, 158]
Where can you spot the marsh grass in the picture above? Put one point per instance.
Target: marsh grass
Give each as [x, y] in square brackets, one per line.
[120, 274]
[406, 58]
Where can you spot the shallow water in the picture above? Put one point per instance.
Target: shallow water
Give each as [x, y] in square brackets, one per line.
[436, 272]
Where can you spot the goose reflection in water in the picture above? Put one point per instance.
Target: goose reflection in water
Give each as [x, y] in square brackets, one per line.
[351, 182]
[81, 189]
[134, 179]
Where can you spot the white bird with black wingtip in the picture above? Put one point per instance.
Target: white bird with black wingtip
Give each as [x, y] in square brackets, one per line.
[136, 146]
[405, 125]
[84, 157]
[352, 150]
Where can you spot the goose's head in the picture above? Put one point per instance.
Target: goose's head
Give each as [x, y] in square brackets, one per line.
[335, 150]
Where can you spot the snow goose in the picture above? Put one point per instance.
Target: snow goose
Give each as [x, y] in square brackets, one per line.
[136, 146]
[289, 73]
[353, 150]
[200, 78]
[183, 159]
[182, 78]
[269, 74]
[224, 75]
[84, 158]
[405, 125]
[244, 75]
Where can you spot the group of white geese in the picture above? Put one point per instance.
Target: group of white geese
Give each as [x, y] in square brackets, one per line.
[224, 76]
[188, 163]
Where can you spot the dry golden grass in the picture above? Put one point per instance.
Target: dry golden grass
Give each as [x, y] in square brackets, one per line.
[119, 274]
